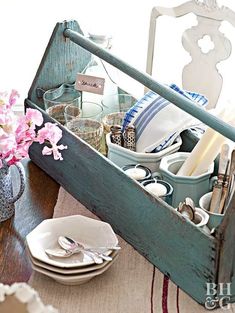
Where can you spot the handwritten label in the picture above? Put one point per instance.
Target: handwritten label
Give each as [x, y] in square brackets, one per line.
[90, 84]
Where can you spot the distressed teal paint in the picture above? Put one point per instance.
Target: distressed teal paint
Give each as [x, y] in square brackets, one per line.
[61, 62]
[156, 230]
[226, 237]
[179, 249]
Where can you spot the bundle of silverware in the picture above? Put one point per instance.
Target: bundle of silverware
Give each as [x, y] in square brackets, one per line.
[69, 246]
[224, 187]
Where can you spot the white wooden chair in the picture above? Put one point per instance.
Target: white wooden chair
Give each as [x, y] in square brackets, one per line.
[209, 16]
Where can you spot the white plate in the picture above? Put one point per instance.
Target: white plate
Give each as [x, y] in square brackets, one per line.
[88, 231]
[75, 279]
[67, 271]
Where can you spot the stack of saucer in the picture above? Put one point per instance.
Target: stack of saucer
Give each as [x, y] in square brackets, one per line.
[98, 248]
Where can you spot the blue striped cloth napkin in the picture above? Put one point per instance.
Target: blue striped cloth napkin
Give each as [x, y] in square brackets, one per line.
[159, 122]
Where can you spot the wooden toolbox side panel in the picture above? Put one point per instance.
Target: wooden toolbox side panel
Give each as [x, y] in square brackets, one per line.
[174, 245]
[226, 237]
[61, 62]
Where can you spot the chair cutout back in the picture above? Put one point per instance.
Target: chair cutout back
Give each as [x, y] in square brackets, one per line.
[209, 16]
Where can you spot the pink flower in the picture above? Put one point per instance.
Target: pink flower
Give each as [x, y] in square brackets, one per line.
[12, 99]
[23, 149]
[54, 150]
[50, 132]
[8, 102]
[33, 117]
[17, 135]
[7, 143]
[24, 133]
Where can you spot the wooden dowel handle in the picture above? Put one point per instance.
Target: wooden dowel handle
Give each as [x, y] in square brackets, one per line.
[163, 90]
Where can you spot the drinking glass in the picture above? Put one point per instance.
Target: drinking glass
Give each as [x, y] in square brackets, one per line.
[71, 112]
[112, 119]
[56, 100]
[117, 103]
[87, 129]
[91, 110]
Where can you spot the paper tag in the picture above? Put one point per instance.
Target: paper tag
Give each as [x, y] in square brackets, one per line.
[90, 84]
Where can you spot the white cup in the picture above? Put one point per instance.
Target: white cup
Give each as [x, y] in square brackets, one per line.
[214, 218]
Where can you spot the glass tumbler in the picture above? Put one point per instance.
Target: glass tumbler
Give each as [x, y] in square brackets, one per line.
[117, 103]
[71, 112]
[56, 100]
[91, 110]
[87, 129]
[112, 119]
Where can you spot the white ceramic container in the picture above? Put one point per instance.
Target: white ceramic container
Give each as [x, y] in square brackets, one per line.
[184, 186]
[122, 156]
[214, 218]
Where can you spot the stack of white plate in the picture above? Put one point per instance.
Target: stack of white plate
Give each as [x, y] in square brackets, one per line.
[80, 267]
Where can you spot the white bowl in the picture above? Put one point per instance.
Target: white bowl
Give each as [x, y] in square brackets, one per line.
[68, 271]
[74, 279]
[122, 156]
[88, 231]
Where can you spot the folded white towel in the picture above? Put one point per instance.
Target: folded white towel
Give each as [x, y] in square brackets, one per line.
[159, 122]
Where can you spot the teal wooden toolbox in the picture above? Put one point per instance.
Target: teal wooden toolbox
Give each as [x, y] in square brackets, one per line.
[183, 252]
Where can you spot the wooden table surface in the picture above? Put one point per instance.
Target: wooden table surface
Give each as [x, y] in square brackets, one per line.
[36, 204]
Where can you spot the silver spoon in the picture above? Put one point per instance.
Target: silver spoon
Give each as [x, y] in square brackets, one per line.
[65, 253]
[187, 209]
[60, 253]
[72, 245]
[65, 240]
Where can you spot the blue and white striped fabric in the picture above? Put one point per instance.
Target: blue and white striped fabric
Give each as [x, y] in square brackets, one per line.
[158, 122]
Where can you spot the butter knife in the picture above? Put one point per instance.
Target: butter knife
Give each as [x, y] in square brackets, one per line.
[231, 183]
[217, 189]
[224, 189]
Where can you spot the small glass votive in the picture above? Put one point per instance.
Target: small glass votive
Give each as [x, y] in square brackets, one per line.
[71, 112]
[117, 103]
[159, 188]
[56, 100]
[87, 129]
[91, 110]
[112, 119]
[137, 172]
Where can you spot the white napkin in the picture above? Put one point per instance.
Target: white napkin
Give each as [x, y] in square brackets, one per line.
[159, 122]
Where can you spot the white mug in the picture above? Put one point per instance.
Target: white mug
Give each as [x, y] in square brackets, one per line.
[214, 218]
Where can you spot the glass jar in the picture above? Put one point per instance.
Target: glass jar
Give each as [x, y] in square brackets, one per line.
[98, 67]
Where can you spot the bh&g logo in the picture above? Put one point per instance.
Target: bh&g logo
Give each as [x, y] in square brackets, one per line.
[218, 296]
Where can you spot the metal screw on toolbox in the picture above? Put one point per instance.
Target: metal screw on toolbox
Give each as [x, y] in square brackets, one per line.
[116, 135]
[129, 138]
